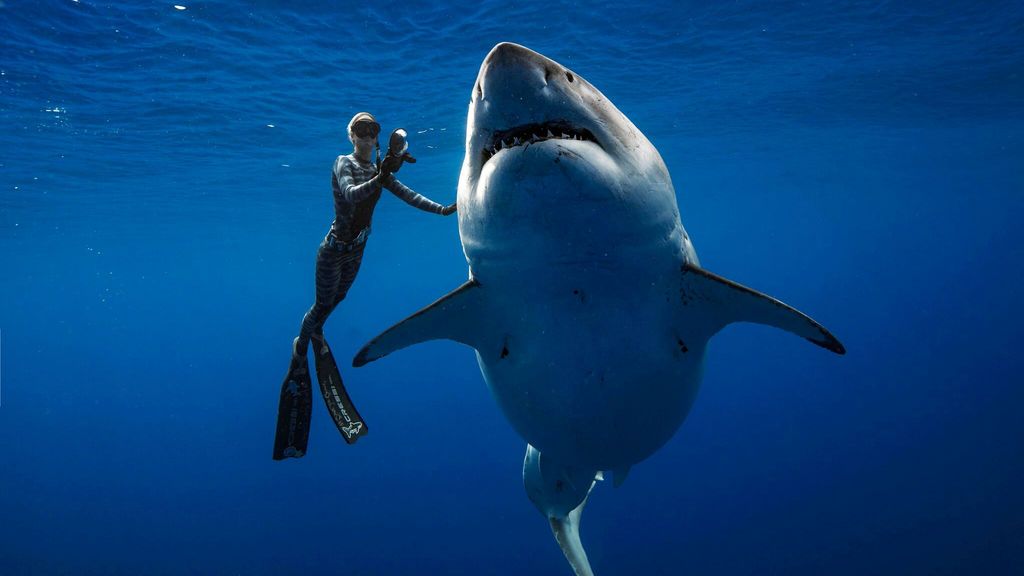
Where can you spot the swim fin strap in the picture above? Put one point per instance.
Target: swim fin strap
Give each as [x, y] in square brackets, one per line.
[340, 406]
[293, 412]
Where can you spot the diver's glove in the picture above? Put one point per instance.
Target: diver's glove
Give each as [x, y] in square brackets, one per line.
[449, 209]
[390, 165]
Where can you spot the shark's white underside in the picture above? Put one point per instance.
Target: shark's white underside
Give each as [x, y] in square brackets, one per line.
[586, 304]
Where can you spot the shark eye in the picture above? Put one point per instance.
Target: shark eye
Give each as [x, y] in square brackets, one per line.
[568, 75]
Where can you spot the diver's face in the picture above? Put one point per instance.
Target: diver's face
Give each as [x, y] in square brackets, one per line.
[364, 136]
[363, 145]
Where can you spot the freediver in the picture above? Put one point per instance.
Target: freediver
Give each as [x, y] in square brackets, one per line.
[357, 182]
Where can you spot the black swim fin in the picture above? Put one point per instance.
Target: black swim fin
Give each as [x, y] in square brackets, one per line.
[343, 412]
[293, 412]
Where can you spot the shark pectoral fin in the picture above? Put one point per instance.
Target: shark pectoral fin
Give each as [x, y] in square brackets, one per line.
[731, 302]
[453, 317]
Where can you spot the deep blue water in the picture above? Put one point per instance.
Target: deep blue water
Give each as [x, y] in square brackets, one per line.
[862, 162]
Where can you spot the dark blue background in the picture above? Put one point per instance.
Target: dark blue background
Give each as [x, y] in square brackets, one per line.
[859, 161]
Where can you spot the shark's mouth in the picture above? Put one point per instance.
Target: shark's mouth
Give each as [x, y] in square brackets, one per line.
[527, 134]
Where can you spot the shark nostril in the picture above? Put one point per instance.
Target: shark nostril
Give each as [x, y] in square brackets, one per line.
[568, 76]
[479, 91]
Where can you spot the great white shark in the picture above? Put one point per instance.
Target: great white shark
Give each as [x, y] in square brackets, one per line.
[586, 304]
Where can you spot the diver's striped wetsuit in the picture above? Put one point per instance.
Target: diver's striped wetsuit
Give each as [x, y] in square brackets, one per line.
[356, 193]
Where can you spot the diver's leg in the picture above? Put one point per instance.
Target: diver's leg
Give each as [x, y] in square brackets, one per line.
[329, 267]
[347, 275]
[336, 398]
[296, 403]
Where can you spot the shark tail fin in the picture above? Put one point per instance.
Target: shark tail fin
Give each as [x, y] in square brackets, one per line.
[560, 491]
[731, 302]
[567, 534]
[452, 317]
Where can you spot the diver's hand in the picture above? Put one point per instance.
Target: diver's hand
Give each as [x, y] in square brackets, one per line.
[390, 165]
[449, 210]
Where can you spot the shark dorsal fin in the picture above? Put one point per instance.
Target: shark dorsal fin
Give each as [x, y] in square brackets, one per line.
[455, 316]
[724, 302]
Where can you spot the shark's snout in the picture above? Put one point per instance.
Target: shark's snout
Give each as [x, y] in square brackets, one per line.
[523, 98]
[512, 67]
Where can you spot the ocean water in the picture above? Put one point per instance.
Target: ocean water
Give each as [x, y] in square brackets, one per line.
[164, 183]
